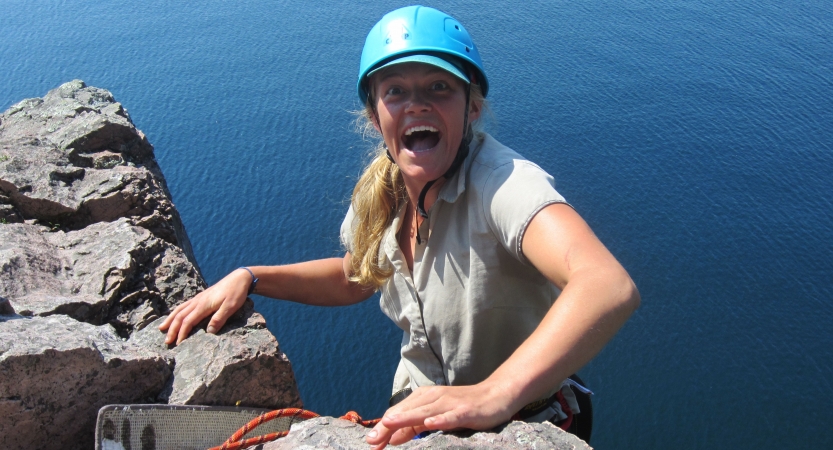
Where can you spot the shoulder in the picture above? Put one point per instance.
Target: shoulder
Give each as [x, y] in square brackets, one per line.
[508, 191]
[497, 169]
[492, 155]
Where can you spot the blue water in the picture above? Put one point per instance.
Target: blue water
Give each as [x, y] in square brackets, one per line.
[695, 137]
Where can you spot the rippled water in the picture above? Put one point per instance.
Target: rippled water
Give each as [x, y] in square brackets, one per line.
[695, 137]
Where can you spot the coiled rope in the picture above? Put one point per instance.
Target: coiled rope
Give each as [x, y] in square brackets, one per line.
[236, 441]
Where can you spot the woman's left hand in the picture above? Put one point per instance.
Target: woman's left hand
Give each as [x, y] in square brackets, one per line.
[478, 407]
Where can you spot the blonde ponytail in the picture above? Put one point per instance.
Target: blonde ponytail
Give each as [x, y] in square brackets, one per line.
[377, 197]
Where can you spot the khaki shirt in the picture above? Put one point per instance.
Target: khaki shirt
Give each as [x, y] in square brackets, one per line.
[473, 297]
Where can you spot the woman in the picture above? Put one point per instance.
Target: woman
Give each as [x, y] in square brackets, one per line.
[469, 243]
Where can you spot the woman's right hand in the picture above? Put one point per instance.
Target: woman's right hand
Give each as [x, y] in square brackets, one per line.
[225, 297]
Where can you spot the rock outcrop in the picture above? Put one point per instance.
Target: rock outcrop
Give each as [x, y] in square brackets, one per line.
[57, 372]
[74, 158]
[327, 432]
[92, 255]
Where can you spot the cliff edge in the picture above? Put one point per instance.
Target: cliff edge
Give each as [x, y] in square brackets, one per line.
[92, 255]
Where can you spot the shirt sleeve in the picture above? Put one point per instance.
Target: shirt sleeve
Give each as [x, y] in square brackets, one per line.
[346, 235]
[514, 193]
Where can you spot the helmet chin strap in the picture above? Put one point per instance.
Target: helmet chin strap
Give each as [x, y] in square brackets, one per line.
[462, 153]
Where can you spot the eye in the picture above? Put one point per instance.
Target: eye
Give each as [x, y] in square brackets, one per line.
[394, 90]
[439, 86]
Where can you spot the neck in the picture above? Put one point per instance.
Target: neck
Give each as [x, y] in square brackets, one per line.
[415, 188]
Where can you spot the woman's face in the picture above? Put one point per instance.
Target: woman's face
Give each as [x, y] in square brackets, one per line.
[420, 109]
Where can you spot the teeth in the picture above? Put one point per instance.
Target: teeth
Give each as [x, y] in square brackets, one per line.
[409, 131]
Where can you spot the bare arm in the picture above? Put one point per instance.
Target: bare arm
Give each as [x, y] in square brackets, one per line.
[321, 282]
[597, 298]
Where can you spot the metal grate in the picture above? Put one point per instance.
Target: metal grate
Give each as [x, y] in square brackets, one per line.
[164, 427]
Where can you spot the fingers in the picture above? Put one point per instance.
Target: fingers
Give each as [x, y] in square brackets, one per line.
[173, 322]
[406, 434]
[445, 421]
[439, 408]
[221, 316]
[193, 316]
[186, 316]
[167, 322]
[405, 420]
[180, 322]
[381, 436]
[225, 298]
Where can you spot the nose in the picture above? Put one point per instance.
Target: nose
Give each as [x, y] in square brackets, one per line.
[418, 102]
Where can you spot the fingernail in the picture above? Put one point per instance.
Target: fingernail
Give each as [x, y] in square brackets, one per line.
[211, 330]
[372, 434]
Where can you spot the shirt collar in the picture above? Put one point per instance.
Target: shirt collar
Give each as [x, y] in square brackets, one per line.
[391, 242]
[456, 185]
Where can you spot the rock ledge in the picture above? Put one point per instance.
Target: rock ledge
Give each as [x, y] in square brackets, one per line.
[92, 255]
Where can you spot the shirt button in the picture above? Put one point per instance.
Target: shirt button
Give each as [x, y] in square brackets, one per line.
[439, 382]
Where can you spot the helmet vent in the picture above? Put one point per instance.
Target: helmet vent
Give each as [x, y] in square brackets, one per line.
[468, 49]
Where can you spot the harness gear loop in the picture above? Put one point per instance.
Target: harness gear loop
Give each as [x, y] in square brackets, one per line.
[564, 425]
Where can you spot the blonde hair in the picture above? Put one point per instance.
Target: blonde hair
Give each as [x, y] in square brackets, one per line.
[378, 195]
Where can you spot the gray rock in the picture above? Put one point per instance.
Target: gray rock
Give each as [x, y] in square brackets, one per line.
[92, 252]
[331, 433]
[6, 307]
[242, 364]
[104, 273]
[74, 158]
[56, 372]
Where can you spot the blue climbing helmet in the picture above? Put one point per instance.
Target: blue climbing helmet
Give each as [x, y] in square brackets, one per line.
[420, 34]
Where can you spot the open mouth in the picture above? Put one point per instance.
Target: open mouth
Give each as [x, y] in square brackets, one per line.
[421, 138]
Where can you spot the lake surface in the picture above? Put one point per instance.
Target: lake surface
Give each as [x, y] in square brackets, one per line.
[695, 137]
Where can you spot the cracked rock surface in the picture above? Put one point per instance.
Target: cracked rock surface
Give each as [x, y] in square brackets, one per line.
[92, 255]
[56, 372]
[240, 364]
[74, 158]
[331, 433]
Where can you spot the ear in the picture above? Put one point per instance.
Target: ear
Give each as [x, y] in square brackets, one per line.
[374, 117]
[375, 120]
[474, 110]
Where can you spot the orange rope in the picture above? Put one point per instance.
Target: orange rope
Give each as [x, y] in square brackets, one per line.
[236, 441]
